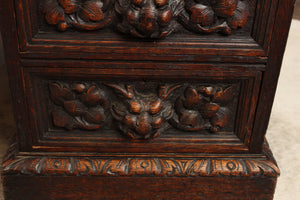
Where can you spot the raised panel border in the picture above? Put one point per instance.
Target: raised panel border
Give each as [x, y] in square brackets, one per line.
[240, 143]
[254, 49]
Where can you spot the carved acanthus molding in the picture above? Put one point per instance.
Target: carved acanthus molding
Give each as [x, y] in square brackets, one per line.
[141, 112]
[75, 166]
[148, 18]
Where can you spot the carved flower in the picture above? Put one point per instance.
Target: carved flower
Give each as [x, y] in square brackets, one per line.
[204, 108]
[78, 106]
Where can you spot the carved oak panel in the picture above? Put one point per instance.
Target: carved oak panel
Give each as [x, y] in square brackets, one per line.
[102, 110]
[142, 110]
[148, 18]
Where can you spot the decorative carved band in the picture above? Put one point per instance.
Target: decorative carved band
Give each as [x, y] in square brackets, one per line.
[77, 166]
[148, 18]
[141, 112]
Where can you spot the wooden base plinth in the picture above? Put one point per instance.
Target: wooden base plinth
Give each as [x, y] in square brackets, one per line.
[95, 188]
[119, 177]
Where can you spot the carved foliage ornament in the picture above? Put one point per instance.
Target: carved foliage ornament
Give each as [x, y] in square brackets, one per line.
[140, 112]
[164, 167]
[148, 18]
[84, 106]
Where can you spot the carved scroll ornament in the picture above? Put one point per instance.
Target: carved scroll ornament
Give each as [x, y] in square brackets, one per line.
[138, 112]
[148, 18]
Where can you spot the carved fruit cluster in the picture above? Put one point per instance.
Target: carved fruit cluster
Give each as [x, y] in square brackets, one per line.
[215, 15]
[78, 105]
[140, 114]
[148, 18]
[203, 108]
[86, 15]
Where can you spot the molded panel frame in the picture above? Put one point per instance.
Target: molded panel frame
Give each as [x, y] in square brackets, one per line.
[109, 46]
[238, 142]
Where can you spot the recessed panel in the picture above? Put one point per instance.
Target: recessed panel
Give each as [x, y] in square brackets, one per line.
[138, 113]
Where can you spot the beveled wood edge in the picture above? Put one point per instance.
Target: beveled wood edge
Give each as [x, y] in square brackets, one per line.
[128, 166]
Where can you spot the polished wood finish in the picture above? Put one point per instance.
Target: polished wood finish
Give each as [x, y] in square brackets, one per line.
[171, 97]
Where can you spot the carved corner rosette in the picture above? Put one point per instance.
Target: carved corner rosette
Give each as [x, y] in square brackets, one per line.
[148, 18]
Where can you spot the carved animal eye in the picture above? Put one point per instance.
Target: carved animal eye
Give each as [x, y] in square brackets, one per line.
[135, 107]
[157, 122]
[155, 107]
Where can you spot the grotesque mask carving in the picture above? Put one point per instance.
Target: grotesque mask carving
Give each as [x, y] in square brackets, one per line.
[148, 18]
[142, 116]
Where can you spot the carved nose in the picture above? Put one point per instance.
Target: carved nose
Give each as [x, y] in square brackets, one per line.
[148, 21]
[143, 125]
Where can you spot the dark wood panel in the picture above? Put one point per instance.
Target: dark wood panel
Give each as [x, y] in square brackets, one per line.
[206, 138]
[270, 77]
[45, 43]
[62, 188]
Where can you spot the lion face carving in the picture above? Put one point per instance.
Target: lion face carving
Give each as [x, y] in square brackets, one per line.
[148, 18]
[139, 115]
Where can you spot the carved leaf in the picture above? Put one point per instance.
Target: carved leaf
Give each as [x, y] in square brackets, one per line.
[165, 91]
[225, 8]
[79, 87]
[54, 14]
[202, 14]
[92, 11]
[224, 96]
[222, 117]
[70, 6]
[127, 92]
[60, 94]
[95, 115]
[207, 91]
[166, 17]
[209, 110]
[176, 6]
[191, 98]
[75, 107]
[240, 17]
[155, 107]
[190, 118]
[62, 119]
